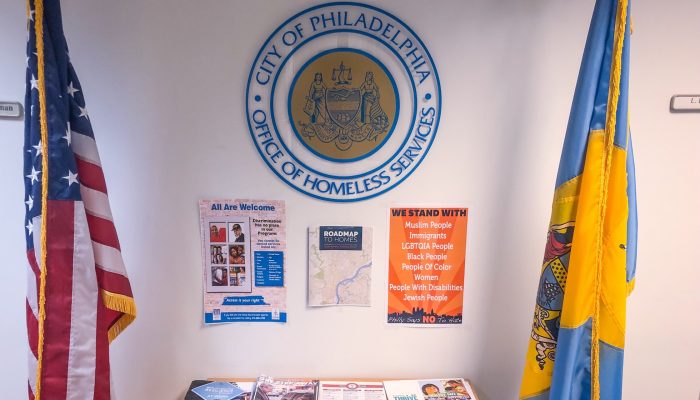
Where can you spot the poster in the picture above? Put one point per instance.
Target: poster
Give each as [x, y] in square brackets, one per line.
[427, 257]
[243, 252]
[340, 390]
[340, 265]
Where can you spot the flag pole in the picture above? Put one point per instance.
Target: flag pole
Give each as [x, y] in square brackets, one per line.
[39, 37]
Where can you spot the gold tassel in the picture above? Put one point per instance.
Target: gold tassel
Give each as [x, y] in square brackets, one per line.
[121, 303]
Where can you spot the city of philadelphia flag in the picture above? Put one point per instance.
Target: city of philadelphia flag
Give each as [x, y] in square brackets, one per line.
[578, 335]
[78, 297]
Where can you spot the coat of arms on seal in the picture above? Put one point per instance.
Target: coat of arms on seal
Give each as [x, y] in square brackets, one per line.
[343, 105]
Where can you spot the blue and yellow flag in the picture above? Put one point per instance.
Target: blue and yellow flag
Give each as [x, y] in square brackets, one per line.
[578, 335]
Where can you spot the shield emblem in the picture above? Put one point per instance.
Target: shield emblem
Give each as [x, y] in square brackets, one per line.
[342, 105]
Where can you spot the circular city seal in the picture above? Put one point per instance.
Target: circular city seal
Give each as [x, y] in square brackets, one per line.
[343, 101]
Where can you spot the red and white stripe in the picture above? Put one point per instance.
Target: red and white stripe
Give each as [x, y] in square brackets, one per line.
[93, 189]
[83, 338]
[33, 273]
[83, 257]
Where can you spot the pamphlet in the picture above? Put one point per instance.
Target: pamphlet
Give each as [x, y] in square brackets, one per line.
[219, 390]
[340, 265]
[336, 390]
[267, 388]
[243, 253]
[429, 389]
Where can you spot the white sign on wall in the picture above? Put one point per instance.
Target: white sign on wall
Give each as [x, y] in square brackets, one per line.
[687, 103]
[10, 110]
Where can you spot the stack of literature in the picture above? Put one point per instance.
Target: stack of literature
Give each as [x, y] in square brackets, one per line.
[267, 388]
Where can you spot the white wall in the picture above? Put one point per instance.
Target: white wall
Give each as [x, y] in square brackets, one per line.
[164, 82]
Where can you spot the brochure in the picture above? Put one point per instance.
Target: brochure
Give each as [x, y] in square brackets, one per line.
[267, 388]
[429, 389]
[344, 390]
[219, 390]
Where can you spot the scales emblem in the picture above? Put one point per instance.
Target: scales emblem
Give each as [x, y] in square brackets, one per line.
[342, 102]
[342, 114]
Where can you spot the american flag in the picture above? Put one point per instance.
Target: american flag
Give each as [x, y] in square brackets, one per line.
[78, 296]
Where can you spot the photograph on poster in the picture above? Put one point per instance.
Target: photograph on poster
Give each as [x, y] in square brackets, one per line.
[219, 276]
[218, 254]
[236, 254]
[238, 275]
[217, 232]
[235, 232]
